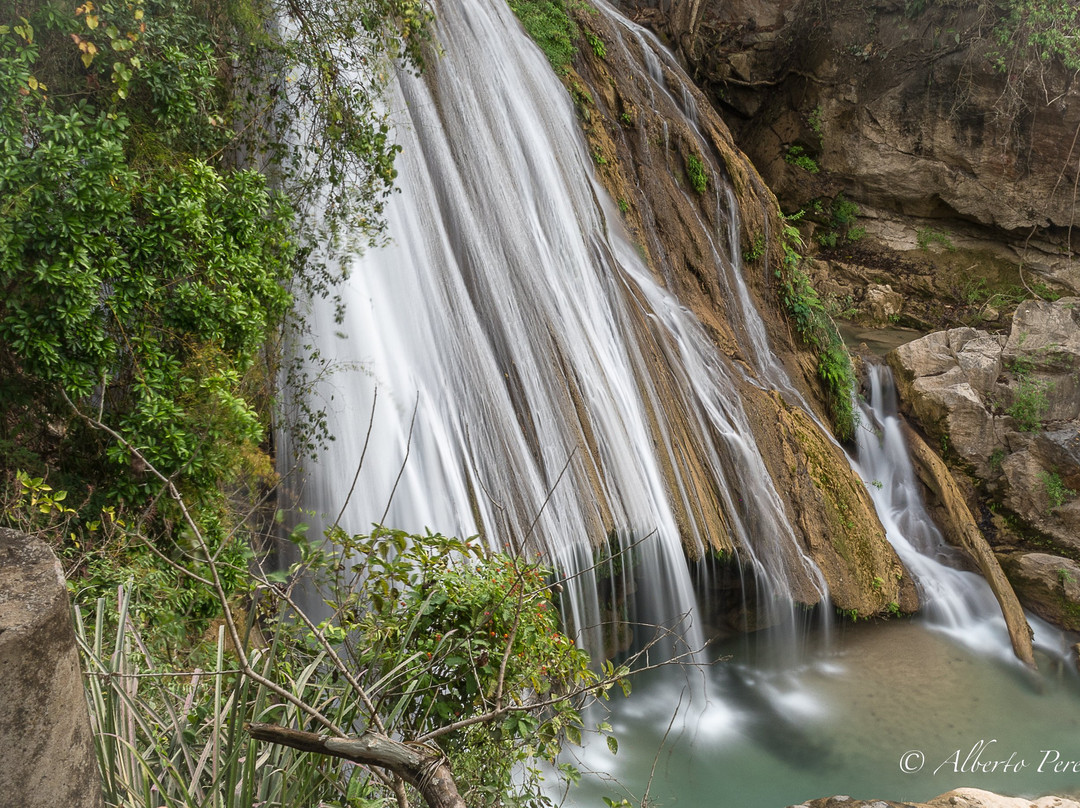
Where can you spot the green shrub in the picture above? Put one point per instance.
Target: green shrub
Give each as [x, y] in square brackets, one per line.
[1055, 489]
[549, 25]
[796, 156]
[1030, 405]
[696, 173]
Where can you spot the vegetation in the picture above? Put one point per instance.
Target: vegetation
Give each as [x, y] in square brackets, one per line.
[1045, 29]
[697, 173]
[1056, 491]
[925, 236]
[1029, 406]
[817, 330]
[840, 223]
[797, 156]
[150, 240]
[549, 24]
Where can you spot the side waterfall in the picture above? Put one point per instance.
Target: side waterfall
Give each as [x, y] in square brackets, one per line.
[954, 600]
[536, 385]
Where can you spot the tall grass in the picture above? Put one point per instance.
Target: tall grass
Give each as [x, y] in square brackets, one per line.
[168, 739]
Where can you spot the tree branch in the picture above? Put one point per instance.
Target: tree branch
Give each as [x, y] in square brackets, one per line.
[421, 766]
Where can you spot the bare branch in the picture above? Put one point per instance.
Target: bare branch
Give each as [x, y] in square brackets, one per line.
[421, 766]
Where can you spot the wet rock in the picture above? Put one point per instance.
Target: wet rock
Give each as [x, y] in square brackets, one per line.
[48, 749]
[1050, 586]
[958, 798]
[1007, 411]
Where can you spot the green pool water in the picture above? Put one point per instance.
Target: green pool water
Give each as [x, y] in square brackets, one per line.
[889, 710]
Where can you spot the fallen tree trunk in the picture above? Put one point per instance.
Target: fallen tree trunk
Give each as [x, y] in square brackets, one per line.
[961, 530]
[422, 767]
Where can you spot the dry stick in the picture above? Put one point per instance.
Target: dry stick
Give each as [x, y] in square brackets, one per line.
[404, 460]
[550, 492]
[416, 764]
[360, 465]
[659, 749]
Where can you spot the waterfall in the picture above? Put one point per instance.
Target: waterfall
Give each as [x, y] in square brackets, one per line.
[535, 383]
[954, 600]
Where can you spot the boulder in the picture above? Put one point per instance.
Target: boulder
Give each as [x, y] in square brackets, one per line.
[958, 798]
[1050, 586]
[48, 749]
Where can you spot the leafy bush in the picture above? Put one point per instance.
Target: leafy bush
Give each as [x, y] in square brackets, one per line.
[1056, 491]
[797, 156]
[697, 173]
[1029, 406]
[813, 324]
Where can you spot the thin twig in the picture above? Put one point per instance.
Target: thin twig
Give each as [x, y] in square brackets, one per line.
[360, 464]
[404, 460]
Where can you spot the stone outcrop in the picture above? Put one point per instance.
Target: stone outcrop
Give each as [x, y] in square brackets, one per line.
[960, 528]
[1050, 586]
[958, 798]
[1006, 411]
[48, 750]
[900, 107]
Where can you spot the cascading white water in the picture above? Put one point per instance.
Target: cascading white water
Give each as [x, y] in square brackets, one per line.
[954, 600]
[530, 371]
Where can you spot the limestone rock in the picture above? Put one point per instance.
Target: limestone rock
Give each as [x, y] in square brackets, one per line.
[882, 302]
[834, 512]
[48, 750]
[850, 86]
[1050, 586]
[1008, 410]
[947, 380]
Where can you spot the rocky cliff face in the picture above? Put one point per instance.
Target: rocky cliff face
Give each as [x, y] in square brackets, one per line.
[961, 170]
[935, 158]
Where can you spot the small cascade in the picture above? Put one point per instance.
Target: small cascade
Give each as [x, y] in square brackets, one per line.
[954, 600]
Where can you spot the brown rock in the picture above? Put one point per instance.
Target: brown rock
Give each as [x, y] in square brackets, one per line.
[48, 751]
[1050, 586]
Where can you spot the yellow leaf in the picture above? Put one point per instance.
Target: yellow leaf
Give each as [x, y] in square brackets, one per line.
[32, 82]
[87, 58]
[91, 21]
[138, 13]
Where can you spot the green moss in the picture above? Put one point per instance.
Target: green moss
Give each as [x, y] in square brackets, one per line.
[696, 173]
[548, 23]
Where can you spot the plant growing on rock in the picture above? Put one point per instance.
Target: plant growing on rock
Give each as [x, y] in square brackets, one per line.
[696, 173]
[797, 156]
[807, 313]
[1056, 492]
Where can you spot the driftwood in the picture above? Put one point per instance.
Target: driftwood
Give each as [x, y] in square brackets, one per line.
[423, 767]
